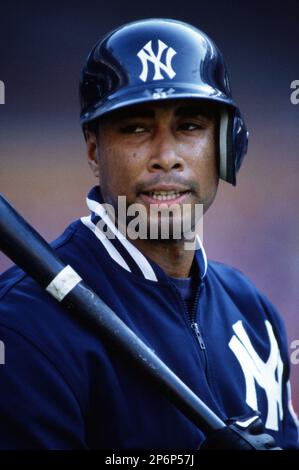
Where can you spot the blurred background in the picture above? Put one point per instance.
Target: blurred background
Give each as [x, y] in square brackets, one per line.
[43, 170]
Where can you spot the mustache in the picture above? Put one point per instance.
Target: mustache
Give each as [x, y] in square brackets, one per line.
[190, 185]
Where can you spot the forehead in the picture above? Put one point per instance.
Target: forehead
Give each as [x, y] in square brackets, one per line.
[175, 107]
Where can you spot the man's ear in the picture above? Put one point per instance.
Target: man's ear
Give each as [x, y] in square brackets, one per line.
[92, 151]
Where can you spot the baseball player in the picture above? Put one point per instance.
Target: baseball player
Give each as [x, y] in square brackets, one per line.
[161, 128]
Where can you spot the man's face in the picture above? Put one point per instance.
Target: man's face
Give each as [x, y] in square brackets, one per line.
[157, 153]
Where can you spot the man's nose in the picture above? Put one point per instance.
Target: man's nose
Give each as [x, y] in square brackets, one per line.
[164, 154]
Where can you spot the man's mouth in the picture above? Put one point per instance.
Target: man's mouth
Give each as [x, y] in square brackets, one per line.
[168, 196]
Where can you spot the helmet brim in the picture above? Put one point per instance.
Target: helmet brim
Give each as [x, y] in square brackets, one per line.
[150, 93]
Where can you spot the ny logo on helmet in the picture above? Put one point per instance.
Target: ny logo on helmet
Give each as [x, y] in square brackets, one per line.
[146, 54]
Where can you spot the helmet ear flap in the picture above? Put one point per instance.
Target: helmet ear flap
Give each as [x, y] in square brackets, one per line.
[240, 139]
[233, 143]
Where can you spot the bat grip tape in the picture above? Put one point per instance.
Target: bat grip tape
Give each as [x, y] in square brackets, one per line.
[63, 283]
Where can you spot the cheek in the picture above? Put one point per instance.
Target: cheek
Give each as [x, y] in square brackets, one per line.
[203, 156]
[119, 168]
[205, 167]
[111, 170]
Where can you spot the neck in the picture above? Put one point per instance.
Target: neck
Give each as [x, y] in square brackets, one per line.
[173, 258]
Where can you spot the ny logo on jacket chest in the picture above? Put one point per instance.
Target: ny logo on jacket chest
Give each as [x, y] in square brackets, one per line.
[146, 54]
[267, 375]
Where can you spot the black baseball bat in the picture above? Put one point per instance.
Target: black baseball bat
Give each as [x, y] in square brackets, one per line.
[20, 242]
[34, 255]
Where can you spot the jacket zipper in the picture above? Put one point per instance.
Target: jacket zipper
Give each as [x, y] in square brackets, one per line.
[196, 331]
[195, 328]
[194, 324]
[198, 335]
[192, 317]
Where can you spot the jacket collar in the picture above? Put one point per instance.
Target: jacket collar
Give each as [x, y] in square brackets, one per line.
[120, 249]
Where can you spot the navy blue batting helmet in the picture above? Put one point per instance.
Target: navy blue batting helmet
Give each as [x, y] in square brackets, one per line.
[157, 59]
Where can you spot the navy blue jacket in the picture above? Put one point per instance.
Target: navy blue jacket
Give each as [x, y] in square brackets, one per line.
[62, 387]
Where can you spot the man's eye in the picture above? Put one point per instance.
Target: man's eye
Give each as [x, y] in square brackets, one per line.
[133, 129]
[189, 126]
